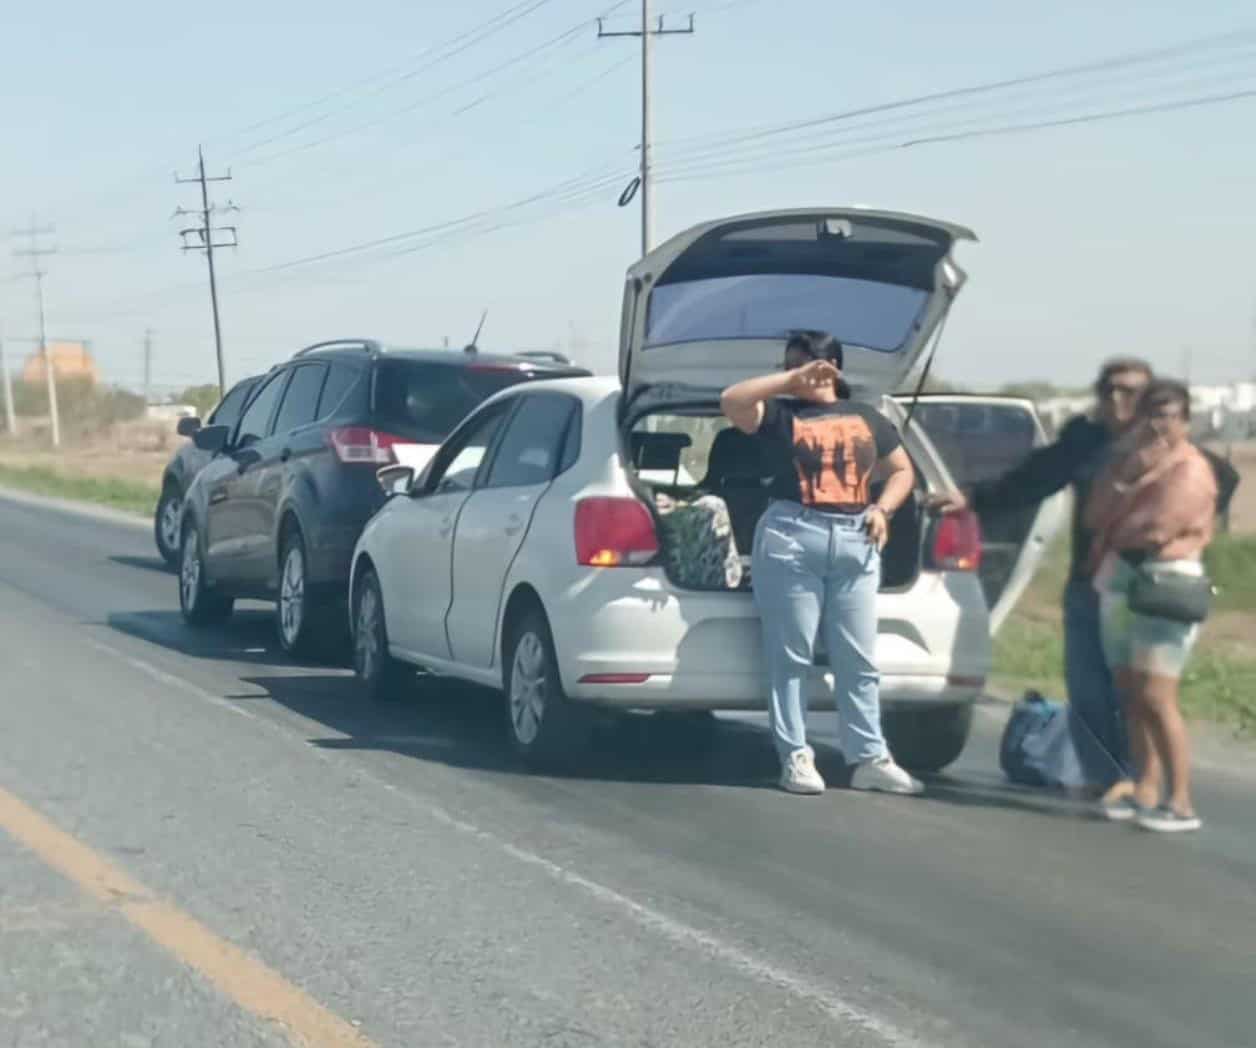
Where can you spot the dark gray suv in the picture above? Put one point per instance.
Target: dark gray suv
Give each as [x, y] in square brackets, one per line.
[187, 462]
[276, 514]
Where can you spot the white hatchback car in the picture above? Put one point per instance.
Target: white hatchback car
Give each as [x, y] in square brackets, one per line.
[527, 557]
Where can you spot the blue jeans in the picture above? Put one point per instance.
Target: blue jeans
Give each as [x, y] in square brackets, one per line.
[1091, 689]
[813, 570]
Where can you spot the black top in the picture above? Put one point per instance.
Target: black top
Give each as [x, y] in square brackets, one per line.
[821, 455]
[1075, 458]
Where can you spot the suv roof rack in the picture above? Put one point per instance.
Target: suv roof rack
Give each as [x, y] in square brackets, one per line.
[544, 354]
[367, 345]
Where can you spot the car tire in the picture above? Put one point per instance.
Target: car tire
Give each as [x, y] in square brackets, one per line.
[308, 626]
[546, 728]
[928, 739]
[166, 522]
[380, 675]
[200, 604]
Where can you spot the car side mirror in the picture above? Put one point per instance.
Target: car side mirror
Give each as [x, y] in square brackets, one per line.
[395, 479]
[211, 438]
[188, 426]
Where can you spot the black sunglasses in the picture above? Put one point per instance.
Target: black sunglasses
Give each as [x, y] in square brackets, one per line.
[1109, 389]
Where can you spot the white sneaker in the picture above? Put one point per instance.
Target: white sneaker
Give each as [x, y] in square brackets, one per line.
[884, 775]
[1166, 820]
[799, 774]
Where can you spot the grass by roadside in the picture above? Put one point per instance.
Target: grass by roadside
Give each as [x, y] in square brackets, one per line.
[128, 495]
[1220, 680]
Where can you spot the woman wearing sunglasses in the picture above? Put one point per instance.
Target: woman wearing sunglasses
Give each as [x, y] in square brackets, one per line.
[817, 552]
[1152, 510]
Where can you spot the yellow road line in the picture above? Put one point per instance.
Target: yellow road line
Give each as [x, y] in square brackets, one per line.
[243, 978]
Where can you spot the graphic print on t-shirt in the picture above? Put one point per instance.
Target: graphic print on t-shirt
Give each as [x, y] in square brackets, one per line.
[834, 456]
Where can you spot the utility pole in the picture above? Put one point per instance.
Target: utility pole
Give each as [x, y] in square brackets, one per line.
[148, 366]
[9, 416]
[205, 242]
[35, 252]
[647, 32]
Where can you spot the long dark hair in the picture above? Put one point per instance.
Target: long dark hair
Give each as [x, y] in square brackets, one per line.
[820, 345]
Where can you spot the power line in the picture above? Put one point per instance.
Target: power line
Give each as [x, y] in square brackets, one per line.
[395, 238]
[721, 141]
[716, 170]
[906, 127]
[382, 176]
[488, 29]
[376, 78]
[554, 41]
[205, 234]
[126, 188]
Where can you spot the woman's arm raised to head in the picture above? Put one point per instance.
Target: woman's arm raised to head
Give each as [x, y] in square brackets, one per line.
[742, 403]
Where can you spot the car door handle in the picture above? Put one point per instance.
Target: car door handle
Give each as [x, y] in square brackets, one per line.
[446, 526]
[285, 454]
[217, 495]
[514, 524]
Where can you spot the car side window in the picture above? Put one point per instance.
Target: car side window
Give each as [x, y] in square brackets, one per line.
[255, 425]
[340, 379]
[530, 448]
[300, 399]
[978, 440]
[460, 460]
[227, 413]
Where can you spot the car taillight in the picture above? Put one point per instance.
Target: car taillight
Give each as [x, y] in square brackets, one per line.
[362, 444]
[614, 532]
[957, 542]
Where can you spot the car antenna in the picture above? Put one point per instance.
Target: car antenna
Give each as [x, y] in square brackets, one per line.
[473, 345]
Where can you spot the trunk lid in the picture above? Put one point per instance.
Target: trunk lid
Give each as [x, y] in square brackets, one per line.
[715, 304]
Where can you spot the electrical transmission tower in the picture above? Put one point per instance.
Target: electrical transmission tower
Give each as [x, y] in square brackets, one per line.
[201, 238]
[35, 251]
[647, 32]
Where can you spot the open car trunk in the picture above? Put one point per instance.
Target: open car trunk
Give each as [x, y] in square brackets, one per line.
[685, 453]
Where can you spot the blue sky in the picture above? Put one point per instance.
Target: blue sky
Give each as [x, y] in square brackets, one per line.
[1128, 236]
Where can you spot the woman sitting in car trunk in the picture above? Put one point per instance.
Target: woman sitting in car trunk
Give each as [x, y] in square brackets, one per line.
[817, 552]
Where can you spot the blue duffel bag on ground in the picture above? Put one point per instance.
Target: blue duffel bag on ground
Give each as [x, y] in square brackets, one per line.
[1046, 744]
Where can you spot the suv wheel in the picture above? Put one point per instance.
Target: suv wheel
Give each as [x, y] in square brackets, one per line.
[166, 524]
[545, 726]
[201, 606]
[306, 623]
[928, 739]
[380, 674]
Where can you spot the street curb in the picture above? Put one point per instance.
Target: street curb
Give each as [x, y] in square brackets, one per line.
[80, 509]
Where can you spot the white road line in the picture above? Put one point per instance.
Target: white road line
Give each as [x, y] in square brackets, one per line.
[712, 946]
[76, 508]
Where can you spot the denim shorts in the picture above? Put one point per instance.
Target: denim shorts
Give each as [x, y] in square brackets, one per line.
[1145, 643]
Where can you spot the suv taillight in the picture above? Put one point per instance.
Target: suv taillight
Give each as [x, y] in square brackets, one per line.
[614, 532]
[957, 542]
[362, 444]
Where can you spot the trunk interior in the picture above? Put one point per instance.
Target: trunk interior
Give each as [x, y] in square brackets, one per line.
[678, 456]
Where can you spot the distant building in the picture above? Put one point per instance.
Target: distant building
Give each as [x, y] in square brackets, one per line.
[69, 360]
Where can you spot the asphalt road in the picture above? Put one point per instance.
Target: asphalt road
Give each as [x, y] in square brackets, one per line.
[177, 806]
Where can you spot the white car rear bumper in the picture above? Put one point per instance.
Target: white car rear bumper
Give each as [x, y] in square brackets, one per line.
[648, 646]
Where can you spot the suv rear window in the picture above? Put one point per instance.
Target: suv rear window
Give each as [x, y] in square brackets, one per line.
[424, 401]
